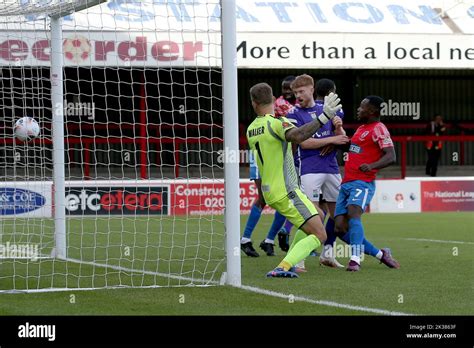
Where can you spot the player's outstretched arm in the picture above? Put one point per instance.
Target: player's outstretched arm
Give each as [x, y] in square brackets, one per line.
[300, 134]
[389, 157]
[338, 129]
[313, 143]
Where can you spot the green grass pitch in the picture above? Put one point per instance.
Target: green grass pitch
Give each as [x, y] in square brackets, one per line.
[435, 278]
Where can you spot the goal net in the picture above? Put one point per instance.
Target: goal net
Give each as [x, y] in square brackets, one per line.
[140, 104]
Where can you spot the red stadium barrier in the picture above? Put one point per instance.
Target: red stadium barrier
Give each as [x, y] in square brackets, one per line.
[87, 142]
[142, 143]
[403, 140]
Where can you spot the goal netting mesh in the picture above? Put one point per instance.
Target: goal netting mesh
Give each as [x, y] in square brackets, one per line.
[143, 129]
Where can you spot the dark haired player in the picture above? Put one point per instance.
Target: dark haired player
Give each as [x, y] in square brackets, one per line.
[371, 149]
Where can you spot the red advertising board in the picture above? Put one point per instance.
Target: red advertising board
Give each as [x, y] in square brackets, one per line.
[447, 196]
[117, 200]
[207, 198]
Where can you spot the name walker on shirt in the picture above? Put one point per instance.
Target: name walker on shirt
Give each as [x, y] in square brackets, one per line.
[256, 131]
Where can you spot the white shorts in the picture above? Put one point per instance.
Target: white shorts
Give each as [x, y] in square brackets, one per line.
[313, 185]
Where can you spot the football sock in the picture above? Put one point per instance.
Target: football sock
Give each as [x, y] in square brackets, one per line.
[331, 236]
[356, 235]
[300, 251]
[299, 235]
[369, 248]
[288, 226]
[252, 221]
[278, 221]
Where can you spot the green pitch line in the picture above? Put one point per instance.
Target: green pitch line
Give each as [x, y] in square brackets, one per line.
[218, 300]
[435, 278]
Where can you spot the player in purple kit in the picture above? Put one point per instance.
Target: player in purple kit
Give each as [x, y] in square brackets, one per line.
[318, 167]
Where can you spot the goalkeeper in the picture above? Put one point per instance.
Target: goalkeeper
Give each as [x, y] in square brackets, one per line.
[269, 139]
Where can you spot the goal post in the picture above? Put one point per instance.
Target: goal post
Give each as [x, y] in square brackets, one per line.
[231, 141]
[57, 109]
[135, 101]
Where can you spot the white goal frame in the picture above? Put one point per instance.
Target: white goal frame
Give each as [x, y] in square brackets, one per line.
[56, 10]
